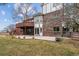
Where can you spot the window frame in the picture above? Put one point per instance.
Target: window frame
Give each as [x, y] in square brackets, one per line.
[56, 29]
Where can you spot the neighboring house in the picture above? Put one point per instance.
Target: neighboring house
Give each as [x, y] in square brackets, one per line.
[51, 22]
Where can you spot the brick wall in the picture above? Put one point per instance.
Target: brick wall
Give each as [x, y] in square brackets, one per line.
[21, 27]
[18, 31]
[50, 20]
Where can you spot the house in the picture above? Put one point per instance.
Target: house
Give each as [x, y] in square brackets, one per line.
[25, 28]
[51, 22]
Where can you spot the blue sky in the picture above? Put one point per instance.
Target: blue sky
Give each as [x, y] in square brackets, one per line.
[6, 14]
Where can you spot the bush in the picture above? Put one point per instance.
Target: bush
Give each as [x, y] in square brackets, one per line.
[24, 37]
[59, 39]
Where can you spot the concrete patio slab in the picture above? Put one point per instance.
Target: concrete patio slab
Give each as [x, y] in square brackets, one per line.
[36, 37]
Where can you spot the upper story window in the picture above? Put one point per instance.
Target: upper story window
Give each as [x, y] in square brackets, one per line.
[41, 19]
[44, 8]
[38, 19]
[56, 4]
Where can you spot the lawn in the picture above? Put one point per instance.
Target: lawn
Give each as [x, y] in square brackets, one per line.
[32, 47]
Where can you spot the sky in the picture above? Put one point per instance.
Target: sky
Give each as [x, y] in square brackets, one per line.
[6, 14]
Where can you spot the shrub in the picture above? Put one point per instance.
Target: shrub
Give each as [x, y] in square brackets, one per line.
[24, 37]
[59, 39]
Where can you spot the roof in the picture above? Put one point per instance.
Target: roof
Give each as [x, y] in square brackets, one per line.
[26, 23]
[38, 14]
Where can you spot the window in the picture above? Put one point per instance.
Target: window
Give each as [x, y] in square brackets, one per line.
[65, 29]
[21, 30]
[36, 20]
[40, 29]
[75, 29]
[36, 30]
[56, 29]
[29, 30]
[56, 16]
[65, 13]
[41, 19]
[55, 4]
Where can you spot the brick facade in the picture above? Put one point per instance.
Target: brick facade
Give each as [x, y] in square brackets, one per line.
[50, 21]
[22, 27]
[55, 19]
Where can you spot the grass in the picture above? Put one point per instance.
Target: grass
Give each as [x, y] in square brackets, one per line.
[19, 47]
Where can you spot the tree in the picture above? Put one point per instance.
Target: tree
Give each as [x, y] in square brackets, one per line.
[70, 11]
[20, 9]
[23, 11]
[9, 28]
